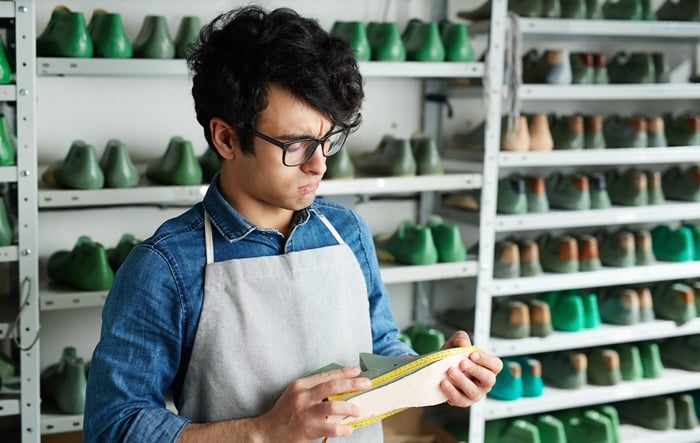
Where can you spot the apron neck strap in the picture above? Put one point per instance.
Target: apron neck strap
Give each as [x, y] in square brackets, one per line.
[208, 242]
[331, 228]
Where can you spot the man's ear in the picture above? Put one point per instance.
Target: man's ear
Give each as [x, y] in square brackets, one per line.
[223, 136]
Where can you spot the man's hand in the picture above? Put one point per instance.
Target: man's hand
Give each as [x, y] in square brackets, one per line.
[473, 378]
[302, 413]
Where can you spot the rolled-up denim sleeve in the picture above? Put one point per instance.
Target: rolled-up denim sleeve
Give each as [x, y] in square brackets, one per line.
[384, 330]
[138, 355]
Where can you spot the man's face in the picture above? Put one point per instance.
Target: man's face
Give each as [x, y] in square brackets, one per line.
[261, 182]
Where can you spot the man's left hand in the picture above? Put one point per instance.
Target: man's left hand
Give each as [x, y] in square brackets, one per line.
[470, 381]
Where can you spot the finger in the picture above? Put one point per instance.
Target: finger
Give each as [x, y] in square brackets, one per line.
[340, 386]
[480, 376]
[334, 374]
[459, 339]
[459, 390]
[336, 430]
[490, 362]
[340, 411]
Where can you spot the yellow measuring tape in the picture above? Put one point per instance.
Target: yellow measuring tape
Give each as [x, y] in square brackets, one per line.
[396, 374]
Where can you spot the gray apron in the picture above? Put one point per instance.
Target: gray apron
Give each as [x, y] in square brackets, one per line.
[267, 321]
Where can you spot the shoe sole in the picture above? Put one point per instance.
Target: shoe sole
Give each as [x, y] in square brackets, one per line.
[415, 384]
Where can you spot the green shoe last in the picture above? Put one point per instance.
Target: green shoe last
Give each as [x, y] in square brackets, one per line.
[447, 239]
[5, 66]
[108, 35]
[684, 408]
[674, 301]
[594, 9]
[630, 361]
[587, 425]
[65, 382]
[117, 255]
[355, 34]
[7, 368]
[79, 169]
[426, 154]
[652, 364]
[620, 306]
[551, 429]
[385, 42]
[682, 352]
[393, 157]
[566, 309]
[458, 45]
[506, 259]
[604, 367]
[409, 244]
[655, 413]
[565, 369]
[617, 249]
[676, 245]
[8, 144]
[623, 10]
[629, 188]
[558, 253]
[533, 386]
[568, 191]
[509, 383]
[510, 319]
[153, 39]
[424, 43]
[536, 194]
[512, 198]
[187, 35]
[567, 131]
[582, 72]
[85, 267]
[66, 35]
[178, 166]
[679, 183]
[119, 171]
[598, 190]
[6, 228]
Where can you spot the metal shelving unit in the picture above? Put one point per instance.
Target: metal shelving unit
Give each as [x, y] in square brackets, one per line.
[160, 68]
[672, 381]
[26, 313]
[186, 195]
[583, 157]
[602, 335]
[419, 187]
[607, 276]
[55, 298]
[604, 30]
[591, 32]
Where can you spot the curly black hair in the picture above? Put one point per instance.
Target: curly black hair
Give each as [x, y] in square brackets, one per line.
[243, 51]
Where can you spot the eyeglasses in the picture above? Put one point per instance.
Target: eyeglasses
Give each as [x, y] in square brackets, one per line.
[296, 152]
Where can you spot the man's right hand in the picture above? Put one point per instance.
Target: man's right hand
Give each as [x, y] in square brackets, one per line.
[301, 414]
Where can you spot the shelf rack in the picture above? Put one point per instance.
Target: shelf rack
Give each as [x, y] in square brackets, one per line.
[562, 33]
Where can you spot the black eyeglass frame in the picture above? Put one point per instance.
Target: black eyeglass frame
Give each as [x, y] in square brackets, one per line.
[310, 152]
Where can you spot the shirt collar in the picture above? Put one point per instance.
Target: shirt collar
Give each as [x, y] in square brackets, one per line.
[230, 223]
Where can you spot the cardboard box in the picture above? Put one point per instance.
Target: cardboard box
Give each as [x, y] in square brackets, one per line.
[66, 437]
[409, 426]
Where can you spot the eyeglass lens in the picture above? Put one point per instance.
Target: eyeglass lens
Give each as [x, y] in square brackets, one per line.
[298, 153]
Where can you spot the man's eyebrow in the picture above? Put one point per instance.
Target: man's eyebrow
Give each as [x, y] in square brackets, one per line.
[301, 136]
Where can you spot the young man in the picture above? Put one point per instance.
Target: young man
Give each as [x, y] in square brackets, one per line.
[231, 303]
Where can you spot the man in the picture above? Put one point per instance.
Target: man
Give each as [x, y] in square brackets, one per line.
[231, 303]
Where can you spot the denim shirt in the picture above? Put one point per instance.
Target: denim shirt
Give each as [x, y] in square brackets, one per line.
[151, 314]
